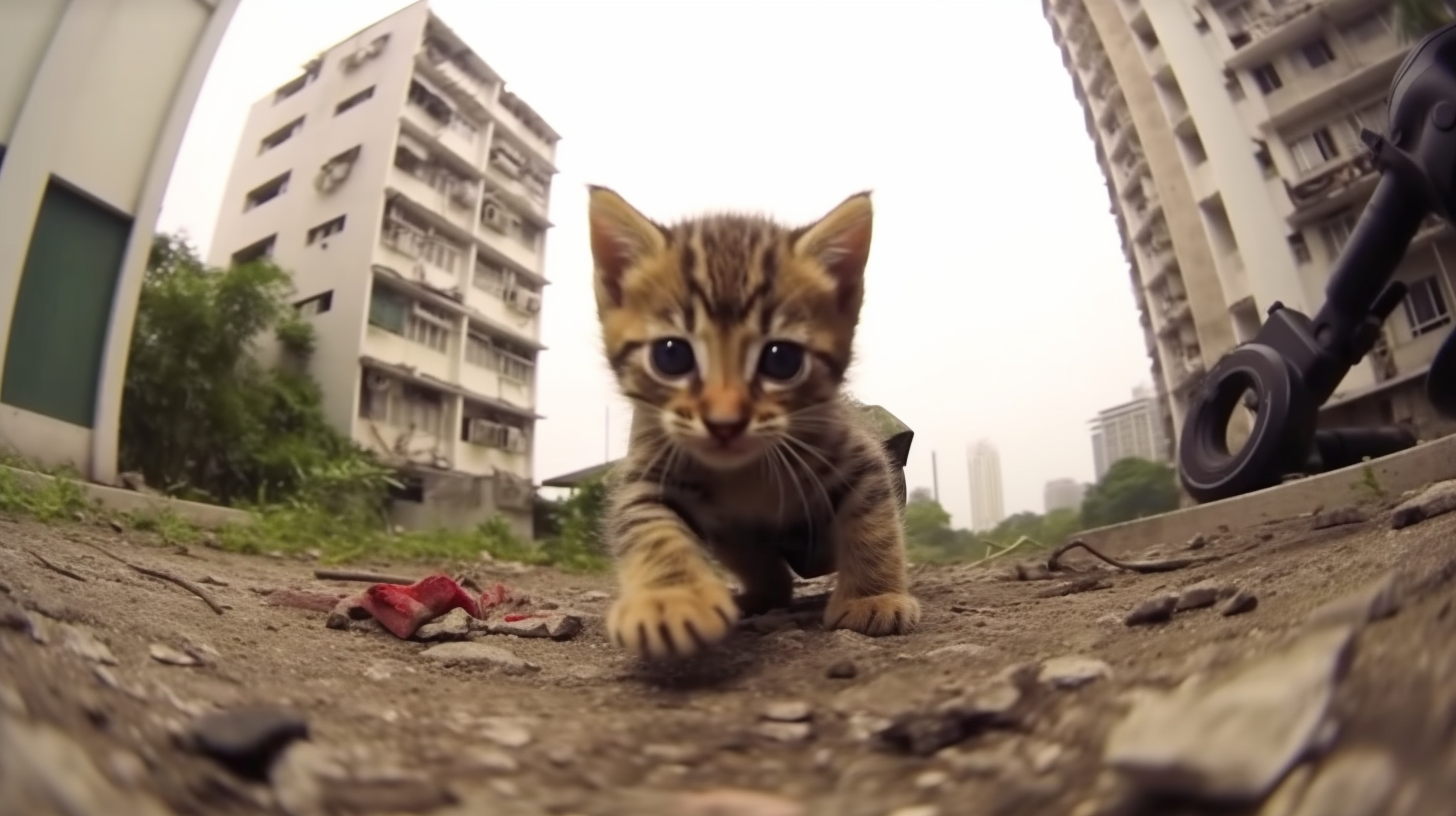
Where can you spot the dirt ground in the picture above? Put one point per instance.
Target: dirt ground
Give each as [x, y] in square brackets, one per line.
[1008, 700]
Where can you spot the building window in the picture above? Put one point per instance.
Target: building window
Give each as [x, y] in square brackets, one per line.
[316, 305]
[1373, 117]
[280, 135]
[293, 86]
[256, 251]
[1337, 232]
[429, 327]
[331, 227]
[490, 278]
[1371, 27]
[1300, 247]
[1314, 150]
[266, 192]
[354, 101]
[388, 309]
[1266, 78]
[1317, 53]
[1425, 306]
[1232, 85]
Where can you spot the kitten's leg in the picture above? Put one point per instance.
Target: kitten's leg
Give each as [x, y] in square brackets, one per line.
[671, 603]
[872, 593]
[767, 583]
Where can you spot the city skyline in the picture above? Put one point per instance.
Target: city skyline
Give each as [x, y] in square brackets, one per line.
[988, 505]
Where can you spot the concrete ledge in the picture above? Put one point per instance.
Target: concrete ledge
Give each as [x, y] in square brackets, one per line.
[208, 516]
[1415, 468]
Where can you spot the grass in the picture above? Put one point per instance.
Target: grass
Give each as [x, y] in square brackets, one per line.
[285, 529]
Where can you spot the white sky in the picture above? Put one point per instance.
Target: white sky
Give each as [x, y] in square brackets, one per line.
[998, 301]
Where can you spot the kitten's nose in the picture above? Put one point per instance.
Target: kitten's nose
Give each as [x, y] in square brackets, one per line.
[726, 432]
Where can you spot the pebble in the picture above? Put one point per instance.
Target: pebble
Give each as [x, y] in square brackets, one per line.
[958, 650]
[298, 779]
[1153, 610]
[930, 780]
[505, 732]
[1233, 740]
[1073, 671]
[248, 739]
[734, 802]
[556, 627]
[993, 704]
[492, 761]
[1242, 601]
[82, 642]
[1354, 783]
[1044, 757]
[784, 731]
[843, 670]
[453, 625]
[1338, 517]
[163, 653]
[916, 810]
[1438, 499]
[787, 711]
[1375, 601]
[595, 595]
[473, 653]
[1197, 542]
[1198, 596]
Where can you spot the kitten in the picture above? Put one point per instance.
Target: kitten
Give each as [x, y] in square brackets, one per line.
[731, 335]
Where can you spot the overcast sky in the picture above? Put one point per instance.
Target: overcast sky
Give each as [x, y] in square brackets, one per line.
[998, 302]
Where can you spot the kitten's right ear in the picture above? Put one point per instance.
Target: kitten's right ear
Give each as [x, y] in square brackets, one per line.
[620, 237]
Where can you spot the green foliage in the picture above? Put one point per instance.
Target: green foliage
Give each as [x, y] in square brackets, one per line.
[576, 523]
[1131, 489]
[1415, 19]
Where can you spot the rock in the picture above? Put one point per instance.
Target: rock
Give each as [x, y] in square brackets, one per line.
[453, 625]
[1338, 517]
[787, 711]
[505, 732]
[1153, 610]
[299, 779]
[1242, 601]
[556, 627]
[733, 802]
[1436, 500]
[470, 653]
[82, 642]
[1355, 783]
[958, 650]
[248, 739]
[1044, 757]
[1197, 542]
[1197, 596]
[1374, 601]
[843, 670]
[1233, 740]
[1290, 791]
[994, 704]
[491, 760]
[44, 772]
[916, 810]
[125, 768]
[595, 595]
[1072, 672]
[930, 780]
[163, 653]
[784, 731]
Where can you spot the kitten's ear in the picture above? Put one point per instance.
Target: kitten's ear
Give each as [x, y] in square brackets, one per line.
[840, 242]
[620, 237]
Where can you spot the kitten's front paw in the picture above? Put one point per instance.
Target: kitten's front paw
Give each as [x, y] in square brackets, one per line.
[891, 614]
[674, 622]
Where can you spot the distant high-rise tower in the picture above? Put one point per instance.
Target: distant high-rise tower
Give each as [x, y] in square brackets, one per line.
[1063, 494]
[1128, 430]
[987, 506]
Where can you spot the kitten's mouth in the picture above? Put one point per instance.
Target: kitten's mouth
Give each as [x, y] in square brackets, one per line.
[731, 454]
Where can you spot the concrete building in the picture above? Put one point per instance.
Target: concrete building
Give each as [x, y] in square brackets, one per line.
[94, 98]
[988, 508]
[1063, 494]
[1228, 131]
[406, 190]
[1132, 429]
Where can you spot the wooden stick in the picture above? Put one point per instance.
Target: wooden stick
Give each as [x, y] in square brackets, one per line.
[162, 575]
[1167, 565]
[361, 577]
[54, 567]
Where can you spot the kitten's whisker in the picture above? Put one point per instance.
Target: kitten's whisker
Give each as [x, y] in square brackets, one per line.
[814, 477]
[778, 451]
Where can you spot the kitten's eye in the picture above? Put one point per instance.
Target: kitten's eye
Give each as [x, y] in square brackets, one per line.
[673, 357]
[781, 360]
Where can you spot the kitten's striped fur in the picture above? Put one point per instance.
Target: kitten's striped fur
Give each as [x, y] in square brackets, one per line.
[732, 457]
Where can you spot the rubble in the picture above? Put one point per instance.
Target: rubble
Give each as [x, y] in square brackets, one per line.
[248, 739]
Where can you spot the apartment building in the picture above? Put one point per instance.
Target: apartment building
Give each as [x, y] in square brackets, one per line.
[1063, 494]
[1228, 131]
[94, 99]
[988, 507]
[1133, 429]
[407, 191]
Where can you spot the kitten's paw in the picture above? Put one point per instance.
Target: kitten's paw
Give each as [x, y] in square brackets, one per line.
[891, 614]
[674, 622]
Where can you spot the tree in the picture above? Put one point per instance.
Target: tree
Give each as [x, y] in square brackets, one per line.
[1415, 19]
[1132, 488]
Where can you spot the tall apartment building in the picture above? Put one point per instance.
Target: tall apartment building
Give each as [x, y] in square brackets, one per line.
[406, 190]
[94, 99]
[1062, 494]
[1133, 429]
[988, 509]
[1228, 131]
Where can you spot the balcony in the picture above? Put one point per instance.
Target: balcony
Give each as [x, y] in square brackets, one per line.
[1331, 188]
[506, 298]
[524, 186]
[498, 367]
[1148, 214]
[450, 196]
[1159, 264]
[508, 237]
[418, 253]
[1275, 32]
[430, 114]
[409, 333]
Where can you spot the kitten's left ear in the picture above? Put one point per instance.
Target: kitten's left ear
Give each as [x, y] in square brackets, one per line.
[840, 242]
[620, 238]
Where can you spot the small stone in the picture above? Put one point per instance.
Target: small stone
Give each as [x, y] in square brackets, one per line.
[1355, 783]
[248, 739]
[1438, 499]
[784, 731]
[556, 627]
[843, 670]
[1072, 671]
[595, 595]
[787, 711]
[916, 810]
[672, 754]
[1153, 610]
[1197, 596]
[163, 653]
[125, 768]
[84, 643]
[469, 653]
[1242, 601]
[453, 625]
[506, 733]
[1374, 601]
[734, 802]
[490, 760]
[963, 650]
[1044, 757]
[1337, 517]
[930, 780]
[1197, 542]
[299, 779]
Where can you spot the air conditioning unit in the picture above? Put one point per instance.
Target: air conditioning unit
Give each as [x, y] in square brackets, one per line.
[512, 297]
[531, 302]
[378, 383]
[352, 62]
[461, 195]
[494, 216]
[332, 174]
[484, 432]
[419, 272]
[511, 491]
[515, 440]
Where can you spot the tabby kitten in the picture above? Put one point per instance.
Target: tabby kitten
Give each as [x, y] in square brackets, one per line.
[731, 335]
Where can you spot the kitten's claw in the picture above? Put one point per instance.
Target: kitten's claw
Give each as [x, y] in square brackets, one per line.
[890, 614]
[675, 622]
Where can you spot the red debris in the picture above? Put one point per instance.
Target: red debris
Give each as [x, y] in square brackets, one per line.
[501, 595]
[404, 609]
[512, 618]
[303, 599]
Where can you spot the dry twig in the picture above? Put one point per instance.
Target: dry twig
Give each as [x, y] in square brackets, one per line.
[361, 577]
[54, 567]
[1161, 565]
[162, 575]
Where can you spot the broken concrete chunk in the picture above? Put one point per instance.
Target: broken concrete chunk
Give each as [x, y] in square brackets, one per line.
[474, 653]
[1153, 610]
[1198, 596]
[1353, 783]
[44, 771]
[1436, 500]
[248, 739]
[1242, 601]
[1375, 601]
[84, 643]
[162, 653]
[1073, 671]
[1337, 517]
[556, 627]
[1232, 740]
[453, 625]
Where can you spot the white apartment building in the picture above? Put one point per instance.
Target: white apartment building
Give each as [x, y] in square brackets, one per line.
[1062, 494]
[1133, 429]
[94, 98]
[988, 508]
[1228, 131]
[406, 190]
